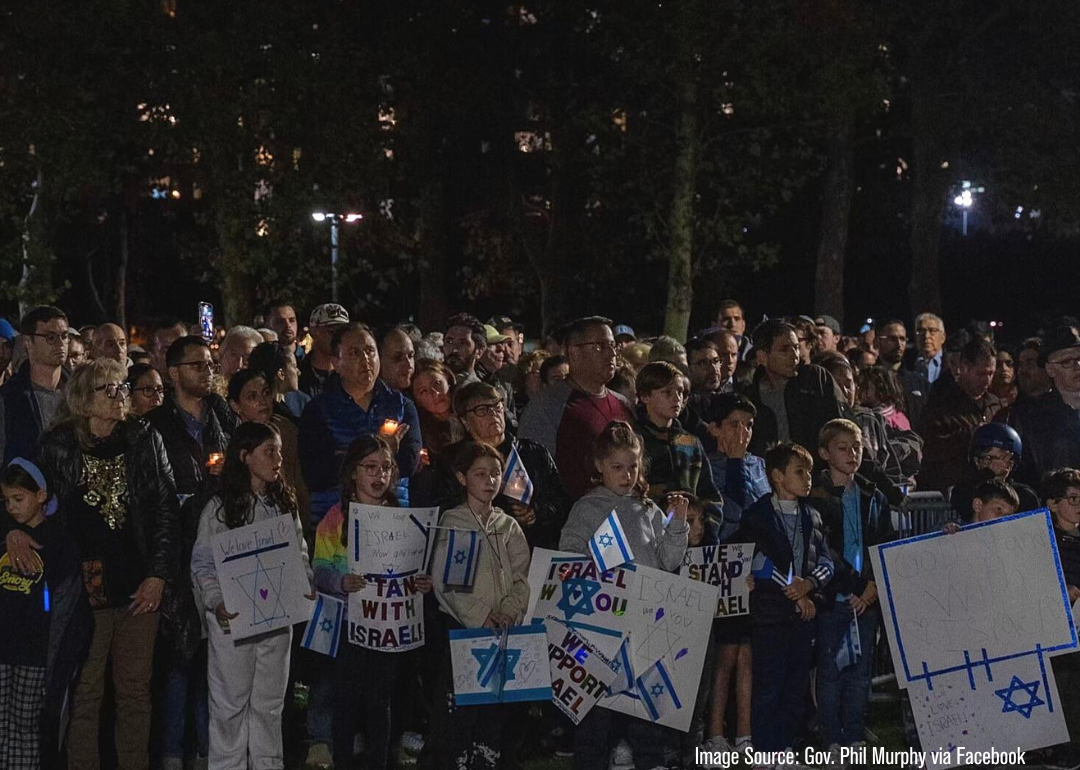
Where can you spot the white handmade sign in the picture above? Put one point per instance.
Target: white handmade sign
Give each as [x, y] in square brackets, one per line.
[262, 576]
[389, 547]
[500, 666]
[580, 674]
[973, 620]
[726, 567]
[662, 616]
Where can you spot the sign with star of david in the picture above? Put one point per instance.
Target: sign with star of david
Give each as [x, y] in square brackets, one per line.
[500, 667]
[263, 576]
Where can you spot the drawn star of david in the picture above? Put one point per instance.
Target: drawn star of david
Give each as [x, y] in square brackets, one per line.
[254, 583]
[606, 540]
[657, 690]
[327, 625]
[1024, 709]
[491, 659]
[459, 557]
[577, 594]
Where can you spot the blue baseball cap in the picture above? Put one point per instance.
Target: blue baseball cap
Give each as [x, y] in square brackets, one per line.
[622, 330]
[7, 331]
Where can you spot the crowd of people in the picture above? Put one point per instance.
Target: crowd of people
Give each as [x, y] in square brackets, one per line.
[121, 463]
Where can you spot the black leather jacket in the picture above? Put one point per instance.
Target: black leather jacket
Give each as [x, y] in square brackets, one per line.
[153, 505]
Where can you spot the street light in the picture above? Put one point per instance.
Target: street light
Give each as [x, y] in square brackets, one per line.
[335, 223]
[965, 200]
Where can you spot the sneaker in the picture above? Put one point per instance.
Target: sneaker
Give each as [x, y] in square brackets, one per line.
[834, 756]
[172, 763]
[319, 757]
[744, 743]
[714, 745]
[412, 743]
[622, 757]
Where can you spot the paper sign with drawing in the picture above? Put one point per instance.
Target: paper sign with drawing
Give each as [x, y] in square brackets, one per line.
[726, 567]
[500, 666]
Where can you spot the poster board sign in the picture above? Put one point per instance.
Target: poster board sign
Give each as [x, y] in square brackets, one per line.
[262, 576]
[662, 616]
[972, 620]
[726, 567]
[389, 547]
[500, 666]
[580, 674]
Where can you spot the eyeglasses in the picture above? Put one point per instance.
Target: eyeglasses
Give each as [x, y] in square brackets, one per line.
[53, 338]
[706, 363]
[1066, 363]
[926, 332]
[485, 410]
[201, 366]
[150, 390]
[600, 346]
[114, 389]
[1073, 499]
[377, 469]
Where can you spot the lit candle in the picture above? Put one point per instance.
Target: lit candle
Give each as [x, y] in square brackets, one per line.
[425, 458]
[216, 459]
[389, 428]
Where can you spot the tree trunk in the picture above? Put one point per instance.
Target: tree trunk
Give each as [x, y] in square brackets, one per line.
[680, 293]
[235, 286]
[433, 302]
[928, 198]
[35, 254]
[121, 269]
[837, 194]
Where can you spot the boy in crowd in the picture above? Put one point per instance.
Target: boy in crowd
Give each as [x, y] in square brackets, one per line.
[995, 450]
[738, 475]
[856, 516]
[792, 567]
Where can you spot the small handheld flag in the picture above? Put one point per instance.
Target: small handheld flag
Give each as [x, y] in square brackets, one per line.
[608, 545]
[516, 482]
[850, 645]
[624, 667]
[324, 628]
[462, 557]
[657, 693]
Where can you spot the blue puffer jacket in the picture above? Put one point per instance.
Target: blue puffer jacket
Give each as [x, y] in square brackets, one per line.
[332, 421]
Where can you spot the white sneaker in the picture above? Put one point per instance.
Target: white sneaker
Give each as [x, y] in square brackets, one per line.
[716, 744]
[319, 757]
[622, 757]
[742, 744]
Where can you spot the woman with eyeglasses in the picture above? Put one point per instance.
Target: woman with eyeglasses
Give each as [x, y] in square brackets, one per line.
[147, 389]
[117, 500]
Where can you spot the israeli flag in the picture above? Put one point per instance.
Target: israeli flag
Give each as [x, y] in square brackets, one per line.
[324, 628]
[657, 693]
[762, 568]
[516, 482]
[623, 666]
[850, 645]
[608, 545]
[462, 557]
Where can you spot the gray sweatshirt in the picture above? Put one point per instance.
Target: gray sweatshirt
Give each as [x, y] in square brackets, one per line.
[642, 521]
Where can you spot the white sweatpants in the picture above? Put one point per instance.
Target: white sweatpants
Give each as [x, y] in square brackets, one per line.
[247, 696]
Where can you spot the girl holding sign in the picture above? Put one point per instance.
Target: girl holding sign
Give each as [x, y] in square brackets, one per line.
[496, 596]
[365, 678]
[248, 677]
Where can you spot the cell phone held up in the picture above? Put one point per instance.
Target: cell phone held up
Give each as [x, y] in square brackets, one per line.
[206, 321]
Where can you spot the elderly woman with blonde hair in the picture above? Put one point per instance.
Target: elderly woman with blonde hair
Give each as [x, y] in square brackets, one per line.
[117, 500]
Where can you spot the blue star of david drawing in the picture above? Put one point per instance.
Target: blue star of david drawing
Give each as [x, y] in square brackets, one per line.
[459, 557]
[577, 594]
[263, 579]
[1024, 709]
[606, 540]
[327, 625]
[657, 690]
[491, 659]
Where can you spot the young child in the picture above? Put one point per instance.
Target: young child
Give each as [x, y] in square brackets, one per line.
[498, 599]
[742, 481]
[791, 549]
[46, 624]
[995, 450]
[365, 679]
[247, 678]
[617, 455]
[856, 516]
[674, 458]
[1061, 494]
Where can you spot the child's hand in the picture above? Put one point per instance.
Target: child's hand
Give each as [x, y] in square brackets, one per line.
[951, 528]
[1074, 593]
[799, 588]
[224, 616]
[806, 609]
[524, 514]
[749, 582]
[350, 584]
[20, 549]
[678, 504]
[423, 583]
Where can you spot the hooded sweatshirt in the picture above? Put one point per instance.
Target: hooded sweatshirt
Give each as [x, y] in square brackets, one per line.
[653, 544]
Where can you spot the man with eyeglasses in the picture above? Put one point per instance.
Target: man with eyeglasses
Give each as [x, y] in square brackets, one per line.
[891, 339]
[957, 407]
[930, 344]
[1049, 424]
[29, 401]
[566, 417]
[195, 424]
